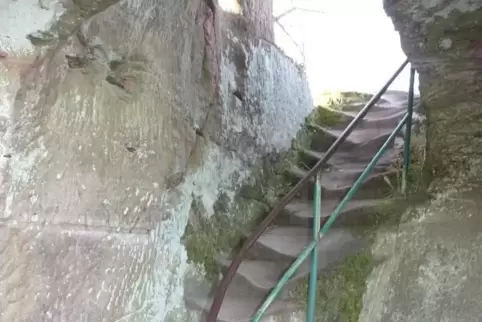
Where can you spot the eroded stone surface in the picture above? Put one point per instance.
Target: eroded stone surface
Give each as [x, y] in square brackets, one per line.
[442, 40]
[433, 266]
[118, 116]
[432, 271]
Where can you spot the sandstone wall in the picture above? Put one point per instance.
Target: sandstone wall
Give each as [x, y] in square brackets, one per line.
[114, 116]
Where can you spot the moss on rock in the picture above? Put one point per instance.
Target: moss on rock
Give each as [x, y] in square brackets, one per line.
[461, 28]
[206, 238]
[338, 100]
[340, 292]
[209, 237]
[323, 116]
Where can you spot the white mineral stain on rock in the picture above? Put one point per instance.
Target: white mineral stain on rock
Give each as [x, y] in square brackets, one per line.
[213, 177]
[281, 89]
[446, 43]
[20, 18]
[17, 20]
[277, 101]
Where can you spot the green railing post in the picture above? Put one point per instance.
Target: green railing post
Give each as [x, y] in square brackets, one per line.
[408, 133]
[327, 225]
[311, 311]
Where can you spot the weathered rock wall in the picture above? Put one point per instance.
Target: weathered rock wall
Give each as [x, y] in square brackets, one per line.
[115, 116]
[432, 267]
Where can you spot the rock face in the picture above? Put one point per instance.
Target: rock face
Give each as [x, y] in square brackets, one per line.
[433, 268]
[442, 40]
[114, 116]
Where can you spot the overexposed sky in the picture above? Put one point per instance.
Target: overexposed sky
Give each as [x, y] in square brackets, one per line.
[347, 44]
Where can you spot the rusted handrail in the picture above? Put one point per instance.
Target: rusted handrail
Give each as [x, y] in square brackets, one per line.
[233, 267]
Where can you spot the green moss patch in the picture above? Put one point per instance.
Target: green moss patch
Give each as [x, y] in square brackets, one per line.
[340, 292]
[207, 238]
[323, 116]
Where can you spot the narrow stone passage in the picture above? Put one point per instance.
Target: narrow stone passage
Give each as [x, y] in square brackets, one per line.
[281, 244]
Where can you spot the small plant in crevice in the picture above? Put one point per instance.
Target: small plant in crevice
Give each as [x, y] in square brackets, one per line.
[415, 178]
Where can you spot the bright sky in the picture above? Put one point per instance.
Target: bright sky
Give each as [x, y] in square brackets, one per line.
[351, 46]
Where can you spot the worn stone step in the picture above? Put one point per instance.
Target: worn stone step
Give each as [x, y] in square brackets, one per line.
[366, 140]
[390, 99]
[378, 117]
[300, 212]
[359, 135]
[344, 159]
[255, 278]
[240, 309]
[260, 276]
[285, 243]
[336, 183]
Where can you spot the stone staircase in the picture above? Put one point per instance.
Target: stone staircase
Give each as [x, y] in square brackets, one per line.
[280, 245]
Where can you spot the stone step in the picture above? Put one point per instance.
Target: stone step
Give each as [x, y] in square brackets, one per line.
[256, 277]
[365, 140]
[300, 212]
[260, 276]
[336, 183]
[285, 243]
[344, 159]
[390, 99]
[378, 117]
[360, 135]
[240, 309]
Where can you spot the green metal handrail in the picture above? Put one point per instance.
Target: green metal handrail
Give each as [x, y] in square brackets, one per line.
[271, 216]
[312, 247]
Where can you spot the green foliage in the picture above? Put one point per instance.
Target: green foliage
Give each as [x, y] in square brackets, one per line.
[339, 293]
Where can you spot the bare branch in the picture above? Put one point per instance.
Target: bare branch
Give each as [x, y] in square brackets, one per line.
[312, 10]
[276, 19]
[291, 38]
[294, 9]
